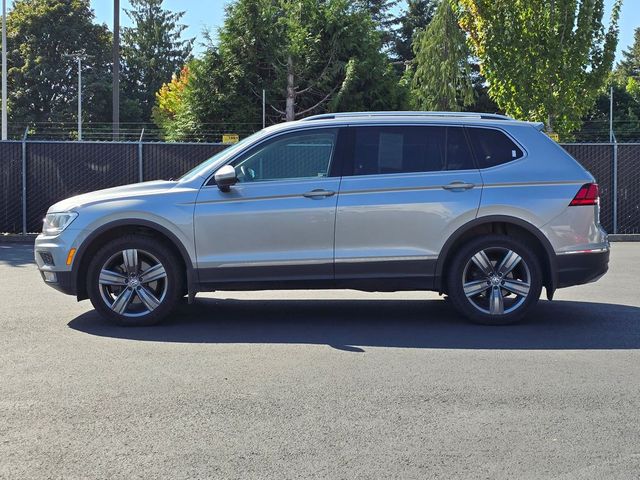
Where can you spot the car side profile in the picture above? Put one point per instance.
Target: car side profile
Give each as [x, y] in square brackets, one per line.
[480, 207]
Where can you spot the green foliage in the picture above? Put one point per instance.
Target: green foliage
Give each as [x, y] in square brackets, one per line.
[380, 13]
[629, 66]
[625, 81]
[442, 79]
[545, 60]
[626, 115]
[42, 80]
[414, 20]
[309, 56]
[152, 51]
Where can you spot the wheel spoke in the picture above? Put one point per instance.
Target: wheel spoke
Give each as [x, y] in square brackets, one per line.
[483, 262]
[496, 302]
[122, 302]
[130, 258]
[109, 277]
[153, 273]
[517, 286]
[474, 288]
[148, 298]
[511, 259]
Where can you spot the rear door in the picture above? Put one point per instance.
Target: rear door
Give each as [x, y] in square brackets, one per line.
[405, 189]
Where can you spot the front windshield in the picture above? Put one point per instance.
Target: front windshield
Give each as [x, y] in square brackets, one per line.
[194, 172]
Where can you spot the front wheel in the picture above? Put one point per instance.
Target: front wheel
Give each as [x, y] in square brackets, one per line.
[134, 281]
[494, 280]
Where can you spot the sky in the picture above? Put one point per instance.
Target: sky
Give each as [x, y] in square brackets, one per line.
[201, 14]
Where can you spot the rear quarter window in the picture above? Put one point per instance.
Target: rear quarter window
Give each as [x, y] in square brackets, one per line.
[493, 147]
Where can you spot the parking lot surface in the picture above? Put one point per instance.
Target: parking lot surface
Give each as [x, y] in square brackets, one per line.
[323, 384]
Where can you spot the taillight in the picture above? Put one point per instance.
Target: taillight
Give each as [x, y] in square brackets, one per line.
[587, 195]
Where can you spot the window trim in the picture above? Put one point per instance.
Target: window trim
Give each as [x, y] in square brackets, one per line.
[525, 152]
[334, 163]
[350, 145]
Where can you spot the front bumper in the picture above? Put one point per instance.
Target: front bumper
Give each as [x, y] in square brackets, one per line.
[50, 255]
[580, 268]
[64, 282]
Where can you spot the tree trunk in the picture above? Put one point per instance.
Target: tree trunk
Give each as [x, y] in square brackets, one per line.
[290, 113]
[551, 120]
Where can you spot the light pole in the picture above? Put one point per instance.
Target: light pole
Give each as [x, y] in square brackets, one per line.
[116, 69]
[4, 69]
[79, 98]
[79, 57]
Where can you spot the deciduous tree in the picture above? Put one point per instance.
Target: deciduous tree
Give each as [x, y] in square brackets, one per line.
[545, 60]
[42, 78]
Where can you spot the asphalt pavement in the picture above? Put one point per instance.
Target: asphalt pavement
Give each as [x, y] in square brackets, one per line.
[320, 384]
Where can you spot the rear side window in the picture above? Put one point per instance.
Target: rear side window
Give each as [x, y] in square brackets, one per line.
[493, 147]
[383, 150]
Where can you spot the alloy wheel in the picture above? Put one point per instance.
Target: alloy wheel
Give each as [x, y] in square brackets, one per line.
[133, 282]
[496, 281]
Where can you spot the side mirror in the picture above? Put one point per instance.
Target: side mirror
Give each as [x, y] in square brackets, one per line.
[225, 177]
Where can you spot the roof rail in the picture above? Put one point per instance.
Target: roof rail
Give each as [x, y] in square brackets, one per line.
[476, 115]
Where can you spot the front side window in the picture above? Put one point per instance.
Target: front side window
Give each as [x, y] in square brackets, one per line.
[384, 150]
[493, 147]
[294, 155]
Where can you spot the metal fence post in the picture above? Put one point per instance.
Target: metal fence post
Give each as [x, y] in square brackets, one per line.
[615, 185]
[24, 181]
[140, 164]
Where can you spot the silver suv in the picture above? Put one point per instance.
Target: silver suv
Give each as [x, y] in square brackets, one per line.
[480, 207]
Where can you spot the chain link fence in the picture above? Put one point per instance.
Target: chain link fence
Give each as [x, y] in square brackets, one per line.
[57, 170]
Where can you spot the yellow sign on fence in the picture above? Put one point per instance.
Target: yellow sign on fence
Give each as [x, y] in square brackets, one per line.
[554, 136]
[230, 138]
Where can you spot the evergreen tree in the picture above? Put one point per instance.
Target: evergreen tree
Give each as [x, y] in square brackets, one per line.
[309, 56]
[442, 79]
[380, 11]
[152, 51]
[415, 19]
[629, 66]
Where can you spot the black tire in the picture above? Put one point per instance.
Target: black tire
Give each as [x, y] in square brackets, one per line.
[165, 291]
[484, 307]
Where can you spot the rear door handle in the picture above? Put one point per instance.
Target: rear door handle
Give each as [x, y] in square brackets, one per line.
[319, 193]
[458, 186]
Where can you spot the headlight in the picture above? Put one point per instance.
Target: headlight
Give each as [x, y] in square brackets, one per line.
[55, 223]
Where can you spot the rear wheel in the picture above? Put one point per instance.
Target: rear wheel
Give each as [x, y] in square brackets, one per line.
[134, 281]
[494, 280]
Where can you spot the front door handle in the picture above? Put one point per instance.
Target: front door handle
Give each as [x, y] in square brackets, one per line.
[458, 186]
[319, 193]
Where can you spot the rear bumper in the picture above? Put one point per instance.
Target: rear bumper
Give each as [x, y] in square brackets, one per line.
[581, 268]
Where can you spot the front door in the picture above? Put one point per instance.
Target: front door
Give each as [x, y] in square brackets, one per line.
[278, 222]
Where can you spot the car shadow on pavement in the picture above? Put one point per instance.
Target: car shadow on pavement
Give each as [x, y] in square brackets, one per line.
[16, 255]
[352, 325]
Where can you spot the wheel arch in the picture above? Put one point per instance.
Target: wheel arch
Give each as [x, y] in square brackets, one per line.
[505, 225]
[118, 228]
